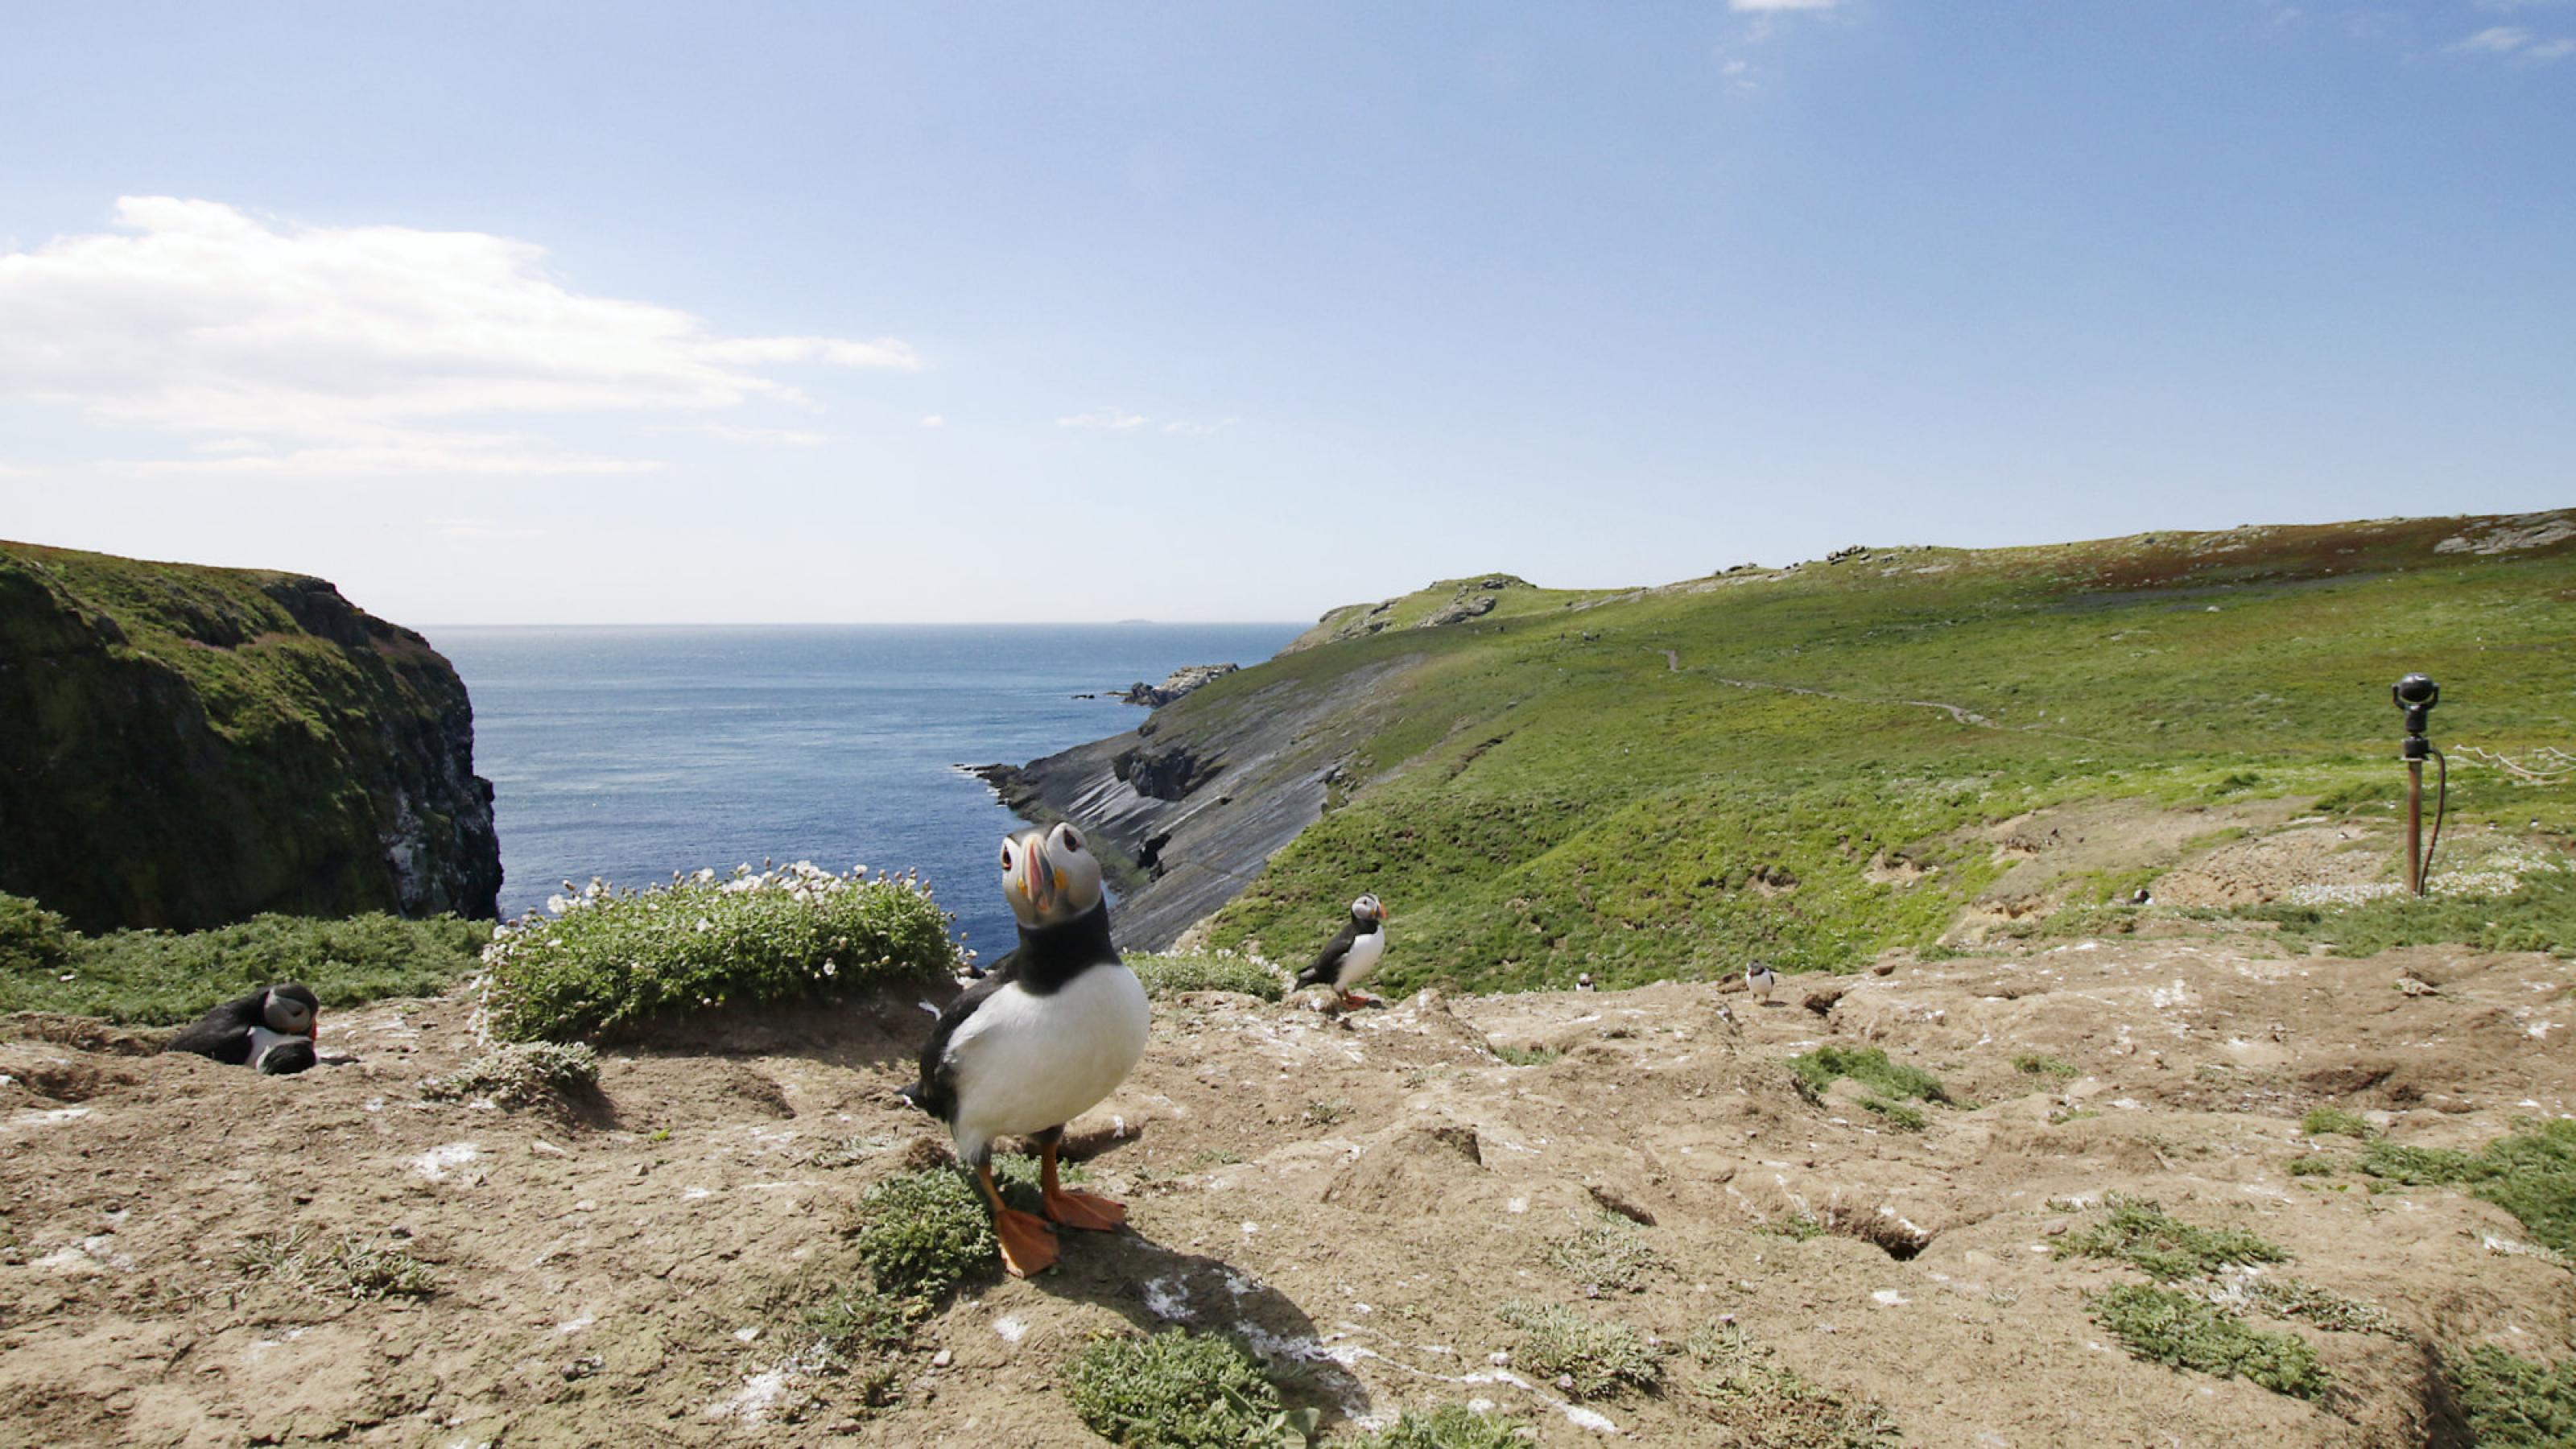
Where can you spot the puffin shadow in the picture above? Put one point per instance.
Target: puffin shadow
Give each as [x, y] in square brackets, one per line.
[1155, 1286]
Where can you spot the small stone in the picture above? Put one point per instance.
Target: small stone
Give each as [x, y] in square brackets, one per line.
[2054, 1227]
[939, 1359]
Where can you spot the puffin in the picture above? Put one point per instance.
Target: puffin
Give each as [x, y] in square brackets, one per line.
[273, 1029]
[1042, 1039]
[1758, 978]
[1353, 955]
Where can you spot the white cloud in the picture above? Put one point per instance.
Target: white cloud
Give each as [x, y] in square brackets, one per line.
[2558, 49]
[1770, 5]
[357, 349]
[2495, 39]
[1108, 419]
[778, 437]
[20, 470]
[934, 420]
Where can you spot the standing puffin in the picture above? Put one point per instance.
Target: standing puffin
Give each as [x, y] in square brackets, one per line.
[1039, 1041]
[273, 1029]
[1353, 955]
[1758, 978]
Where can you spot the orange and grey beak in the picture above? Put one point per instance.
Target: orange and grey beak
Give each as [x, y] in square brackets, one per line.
[1381, 911]
[1039, 882]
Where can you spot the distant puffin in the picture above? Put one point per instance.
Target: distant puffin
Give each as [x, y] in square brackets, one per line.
[273, 1028]
[1041, 1040]
[1353, 955]
[1758, 978]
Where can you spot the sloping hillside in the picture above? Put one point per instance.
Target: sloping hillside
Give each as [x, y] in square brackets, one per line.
[1896, 747]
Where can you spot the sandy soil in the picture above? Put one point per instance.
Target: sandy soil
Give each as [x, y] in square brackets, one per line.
[1357, 1194]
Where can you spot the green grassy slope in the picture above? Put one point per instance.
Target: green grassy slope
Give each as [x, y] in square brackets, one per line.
[1656, 782]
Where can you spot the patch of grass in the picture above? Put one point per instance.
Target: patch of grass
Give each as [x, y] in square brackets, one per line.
[2032, 1064]
[1178, 1390]
[1520, 1056]
[614, 960]
[1586, 1358]
[2314, 1165]
[167, 978]
[2300, 1299]
[1763, 1406]
[2514, 1403]
[856, 1325]
[921, 1233]
[1609, 1252]
[1816, 1070]
[2140, 1233]
[2064, 1115]
[1017, 1174]
[2181, 1330]
[1170, 973]
[345, 1267]
[1451, 1426]
[1798, 1227]
[1325, 1114]
[2539, 916]
[2327, 1121]
[2530, 1174]
[848, 1152]
[519, 1074]
[1898, 1115]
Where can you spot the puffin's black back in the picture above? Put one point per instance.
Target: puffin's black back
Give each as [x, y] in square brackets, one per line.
[1330, 960]
[1047, 958]
[223, 1033]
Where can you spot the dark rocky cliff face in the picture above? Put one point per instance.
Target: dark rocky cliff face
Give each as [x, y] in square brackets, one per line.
[184, 746]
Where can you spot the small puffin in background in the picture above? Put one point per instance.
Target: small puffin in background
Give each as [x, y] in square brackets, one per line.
[1759, 980]
[273, 1029]
[1353, 956]
[1041, 1040]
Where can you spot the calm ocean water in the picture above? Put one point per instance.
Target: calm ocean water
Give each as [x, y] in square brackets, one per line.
[630, 753]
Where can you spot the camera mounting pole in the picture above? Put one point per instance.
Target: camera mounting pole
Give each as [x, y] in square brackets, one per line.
[2416, 694]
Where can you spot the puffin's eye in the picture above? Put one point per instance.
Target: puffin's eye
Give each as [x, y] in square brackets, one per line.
[1006, 857]
[1072, 841]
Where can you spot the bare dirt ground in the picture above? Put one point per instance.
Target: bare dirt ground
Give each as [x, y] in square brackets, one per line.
[1355, 1196]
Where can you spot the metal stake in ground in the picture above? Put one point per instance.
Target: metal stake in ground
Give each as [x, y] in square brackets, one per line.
[2416, 694]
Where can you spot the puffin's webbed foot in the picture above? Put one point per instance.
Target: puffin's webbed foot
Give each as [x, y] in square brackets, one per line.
[1083, 1210]
[1028, 1244]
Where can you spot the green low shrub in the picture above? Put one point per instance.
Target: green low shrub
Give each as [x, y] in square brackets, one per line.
[1869, 1066]
[613, 960]
[165, 978]
[2181, 1330]
[1171, 973]
[921, 1233]
[1609, 1252]
[518, 1074]
[2514, 1403]
[2327, 1121]
[1173, 1390]
[1451, 1426]
[2530, 1174]
[1585, 1358]
[2141, 1234]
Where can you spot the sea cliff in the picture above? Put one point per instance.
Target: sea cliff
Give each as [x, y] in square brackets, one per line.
[184, 746]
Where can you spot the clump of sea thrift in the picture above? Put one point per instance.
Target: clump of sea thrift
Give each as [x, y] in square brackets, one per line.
[610, 960]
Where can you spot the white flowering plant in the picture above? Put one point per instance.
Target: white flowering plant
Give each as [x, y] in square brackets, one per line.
[605, 961]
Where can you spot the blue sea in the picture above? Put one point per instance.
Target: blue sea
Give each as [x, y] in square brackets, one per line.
[629, 753]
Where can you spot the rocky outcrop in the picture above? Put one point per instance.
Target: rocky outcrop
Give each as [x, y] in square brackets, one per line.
[1446, 601]
[188, 746]
[1179, 683]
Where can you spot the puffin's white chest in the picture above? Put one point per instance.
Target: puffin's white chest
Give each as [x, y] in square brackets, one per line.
[1360, 962]
[1024, 1063]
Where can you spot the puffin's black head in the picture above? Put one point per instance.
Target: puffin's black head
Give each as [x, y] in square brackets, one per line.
[292, 1009]
[1049, 876]
[1366, 912]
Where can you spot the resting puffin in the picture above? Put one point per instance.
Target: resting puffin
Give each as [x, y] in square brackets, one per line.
[1038, 1042]
[1353, 955]
[273, 1029]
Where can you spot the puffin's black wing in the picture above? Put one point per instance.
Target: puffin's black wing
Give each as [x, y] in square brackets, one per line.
[935, 1093]
[223, 1033]
[1329, 964]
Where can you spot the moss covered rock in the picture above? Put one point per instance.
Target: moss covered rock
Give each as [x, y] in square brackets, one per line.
[189, 746]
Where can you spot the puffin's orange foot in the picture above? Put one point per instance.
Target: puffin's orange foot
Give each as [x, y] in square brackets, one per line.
[1353, 1002]
[1028, 1244]
[1083, 1210]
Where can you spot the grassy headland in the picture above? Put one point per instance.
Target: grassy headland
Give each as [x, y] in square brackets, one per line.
[1806, 763]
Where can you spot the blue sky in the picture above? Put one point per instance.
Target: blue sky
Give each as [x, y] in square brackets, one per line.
[766, 313]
